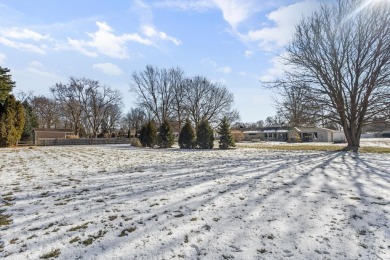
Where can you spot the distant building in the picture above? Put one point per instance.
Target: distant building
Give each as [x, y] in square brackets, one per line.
[46, 134]
[305, 134]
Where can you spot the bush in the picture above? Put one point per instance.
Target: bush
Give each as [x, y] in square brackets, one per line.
[238, 136]
[135, 142]
[225, 136]
[148, 134]
[204, 135]
[165, 138]
[187, 136]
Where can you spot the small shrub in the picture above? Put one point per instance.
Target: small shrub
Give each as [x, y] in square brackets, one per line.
[238, 136]
[187, 136]
[165, 138]
[204, 135]
[135, 142]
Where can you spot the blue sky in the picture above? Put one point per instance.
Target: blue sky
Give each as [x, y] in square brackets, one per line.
[235, 42]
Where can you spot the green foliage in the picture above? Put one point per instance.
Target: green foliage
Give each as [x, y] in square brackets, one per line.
[11, 122]
[6, 84]
[187, 136]
[148, 134]
[226, 139]
[31, 122]
[204, 135]
[165, 137]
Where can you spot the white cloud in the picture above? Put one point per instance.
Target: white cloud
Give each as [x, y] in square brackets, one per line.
[2, 57]
[37, 69]
[104, 41]
[236, 11]
[108, 68]
[248, 54]
[22, 46]
[198, 5]
[284, 19]
[225, 69]
[23, 34]
[151, 32]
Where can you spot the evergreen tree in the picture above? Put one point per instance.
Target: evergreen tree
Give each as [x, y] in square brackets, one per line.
[225, 136]
[6, 84]
[31, 122]
[11, 122]
[165, 137]
[187, 136]
[148, 134]
[204, 135]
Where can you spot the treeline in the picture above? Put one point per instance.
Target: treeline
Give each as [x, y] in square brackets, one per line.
[92, 109]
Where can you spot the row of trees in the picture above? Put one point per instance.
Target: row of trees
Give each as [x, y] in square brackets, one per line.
[91, 108]
[202, 138]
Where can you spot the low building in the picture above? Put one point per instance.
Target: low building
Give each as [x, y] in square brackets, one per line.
[304, 134]
[46, 134]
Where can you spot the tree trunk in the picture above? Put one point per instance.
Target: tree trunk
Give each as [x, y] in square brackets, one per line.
[353, 138]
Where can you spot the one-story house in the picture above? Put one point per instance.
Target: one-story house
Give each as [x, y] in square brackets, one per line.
[305, 134]
[45, 134]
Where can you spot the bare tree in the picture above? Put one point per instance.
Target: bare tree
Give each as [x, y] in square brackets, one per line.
[86, 103]
[180, 88]
[135, 119]
[47, 111]
[154, 89]
[342, 52]
[297, 106]
[210, 102]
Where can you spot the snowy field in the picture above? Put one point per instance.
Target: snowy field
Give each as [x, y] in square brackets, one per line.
[118, 202]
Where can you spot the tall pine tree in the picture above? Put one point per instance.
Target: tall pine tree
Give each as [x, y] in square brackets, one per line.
[226, 139]
[148, 134]
[31, 122]
[11, 122]
[165, 138]
[6, 84]
[187, 136]
[204, 135]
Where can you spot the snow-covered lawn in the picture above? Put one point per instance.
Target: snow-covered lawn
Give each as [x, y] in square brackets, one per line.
[118, 202]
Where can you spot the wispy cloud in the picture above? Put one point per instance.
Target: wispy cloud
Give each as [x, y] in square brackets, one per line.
[151, 32]
[248, 53]
[284, 19]
[23, 34]
[218, 68]
[108, 68]
[197, 5]
[23, 46]
[106, 42]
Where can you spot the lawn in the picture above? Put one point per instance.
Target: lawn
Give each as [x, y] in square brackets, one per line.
[118, 202]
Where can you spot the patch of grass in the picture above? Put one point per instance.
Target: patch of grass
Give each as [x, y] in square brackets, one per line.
[8, 194]
[112, 218]
[88, 241]
[154, 204]
[8, 198]
[31, 237]
[13, 241]
[83, 226]
[127, 230]
[194, 219]
[54, 253]
[74, 240]
[261, 251]
[5, 220]
[38, 188]
[355, 198]
[370, 149]
[186, 239]
[179, 215]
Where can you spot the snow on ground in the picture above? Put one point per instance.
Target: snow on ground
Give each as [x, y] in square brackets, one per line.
[118, 202]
